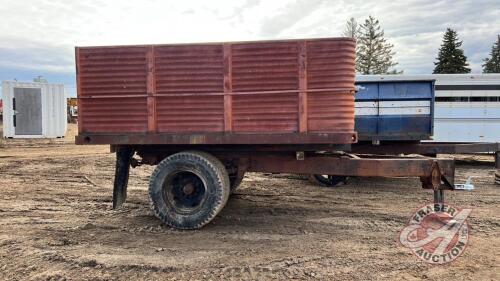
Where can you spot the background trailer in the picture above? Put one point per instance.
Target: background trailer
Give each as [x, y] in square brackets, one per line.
[466, 107]
[428, 114]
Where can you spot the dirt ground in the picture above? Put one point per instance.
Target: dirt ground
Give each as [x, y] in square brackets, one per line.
[56, 223]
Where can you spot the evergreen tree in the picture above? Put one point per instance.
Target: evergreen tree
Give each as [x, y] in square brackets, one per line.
[492, 64]
[451, 58]
[374, 54]
[351, 28]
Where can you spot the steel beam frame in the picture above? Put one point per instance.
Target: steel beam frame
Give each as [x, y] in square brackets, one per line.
[395, 148]
[218, 138]
[434, 173]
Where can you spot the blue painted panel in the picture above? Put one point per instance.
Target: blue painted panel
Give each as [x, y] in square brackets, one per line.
[366, 125]
[406, 90]
[367, 91]
[404, 125]
[397, 90]
[395, 127]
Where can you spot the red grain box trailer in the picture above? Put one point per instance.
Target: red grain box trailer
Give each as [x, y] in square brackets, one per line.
[207, 113]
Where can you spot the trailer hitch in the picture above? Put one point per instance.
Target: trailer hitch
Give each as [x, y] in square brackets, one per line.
[441, 178]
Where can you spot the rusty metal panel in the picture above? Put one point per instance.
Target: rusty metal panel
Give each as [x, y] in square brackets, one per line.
[279, 87]
[188, 69]
[265, 113]
[265, 66]
[112, 89]
[187, 76]
[119, 71]
[330, 111]
[258, 67]
[195, 113]
[330, 65]
[111, 115]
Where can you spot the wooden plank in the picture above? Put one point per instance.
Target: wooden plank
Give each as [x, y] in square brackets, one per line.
[302, 86]
[228, 89]
[151, 90]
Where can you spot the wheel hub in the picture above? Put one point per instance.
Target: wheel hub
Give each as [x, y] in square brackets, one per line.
[185, 191]
[188, 189]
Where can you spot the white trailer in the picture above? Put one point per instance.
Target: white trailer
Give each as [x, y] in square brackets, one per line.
[33, 110]
[467, 108]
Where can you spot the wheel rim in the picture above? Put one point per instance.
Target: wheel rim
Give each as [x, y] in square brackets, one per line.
[184, 191]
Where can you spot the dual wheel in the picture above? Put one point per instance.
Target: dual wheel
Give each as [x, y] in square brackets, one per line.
[188, 189]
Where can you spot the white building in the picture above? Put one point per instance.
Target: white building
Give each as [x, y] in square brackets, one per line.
[33, 110]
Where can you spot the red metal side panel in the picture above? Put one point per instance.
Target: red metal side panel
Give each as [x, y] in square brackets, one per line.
[261, 67]
[195, 113]
[265, 112]
[189, 86]
[112, 89]
[265, 66]
[113, 115]
[330, 65]
[293, 86]
[330, 112]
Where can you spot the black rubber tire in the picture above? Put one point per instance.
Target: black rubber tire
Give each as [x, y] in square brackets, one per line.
[208, 169]
[235, 181]
[331, 181]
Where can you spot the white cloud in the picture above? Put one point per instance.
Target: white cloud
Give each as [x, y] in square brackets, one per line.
[41, 34]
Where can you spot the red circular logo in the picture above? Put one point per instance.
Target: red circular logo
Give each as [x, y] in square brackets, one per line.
[437, 233]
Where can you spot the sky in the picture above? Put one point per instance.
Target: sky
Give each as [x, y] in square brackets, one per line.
[38, 37]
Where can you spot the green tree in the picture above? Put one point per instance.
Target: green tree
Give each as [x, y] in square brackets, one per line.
[351, 28]
[451, 58]
[374, 54]
[492, 64]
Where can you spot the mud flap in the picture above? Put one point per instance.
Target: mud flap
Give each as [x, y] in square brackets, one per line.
[123, 158]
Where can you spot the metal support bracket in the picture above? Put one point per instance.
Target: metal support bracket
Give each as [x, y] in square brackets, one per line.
[123, 160]
[438, 196]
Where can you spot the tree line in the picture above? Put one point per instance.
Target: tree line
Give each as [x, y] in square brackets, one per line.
[374, 54]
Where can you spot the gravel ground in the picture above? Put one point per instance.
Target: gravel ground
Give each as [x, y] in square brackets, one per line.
[56, 223]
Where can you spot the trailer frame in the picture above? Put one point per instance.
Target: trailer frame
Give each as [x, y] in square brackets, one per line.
[436, 174]
[427, 148]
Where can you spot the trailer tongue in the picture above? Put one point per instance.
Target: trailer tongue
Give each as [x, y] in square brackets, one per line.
[207, 113]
